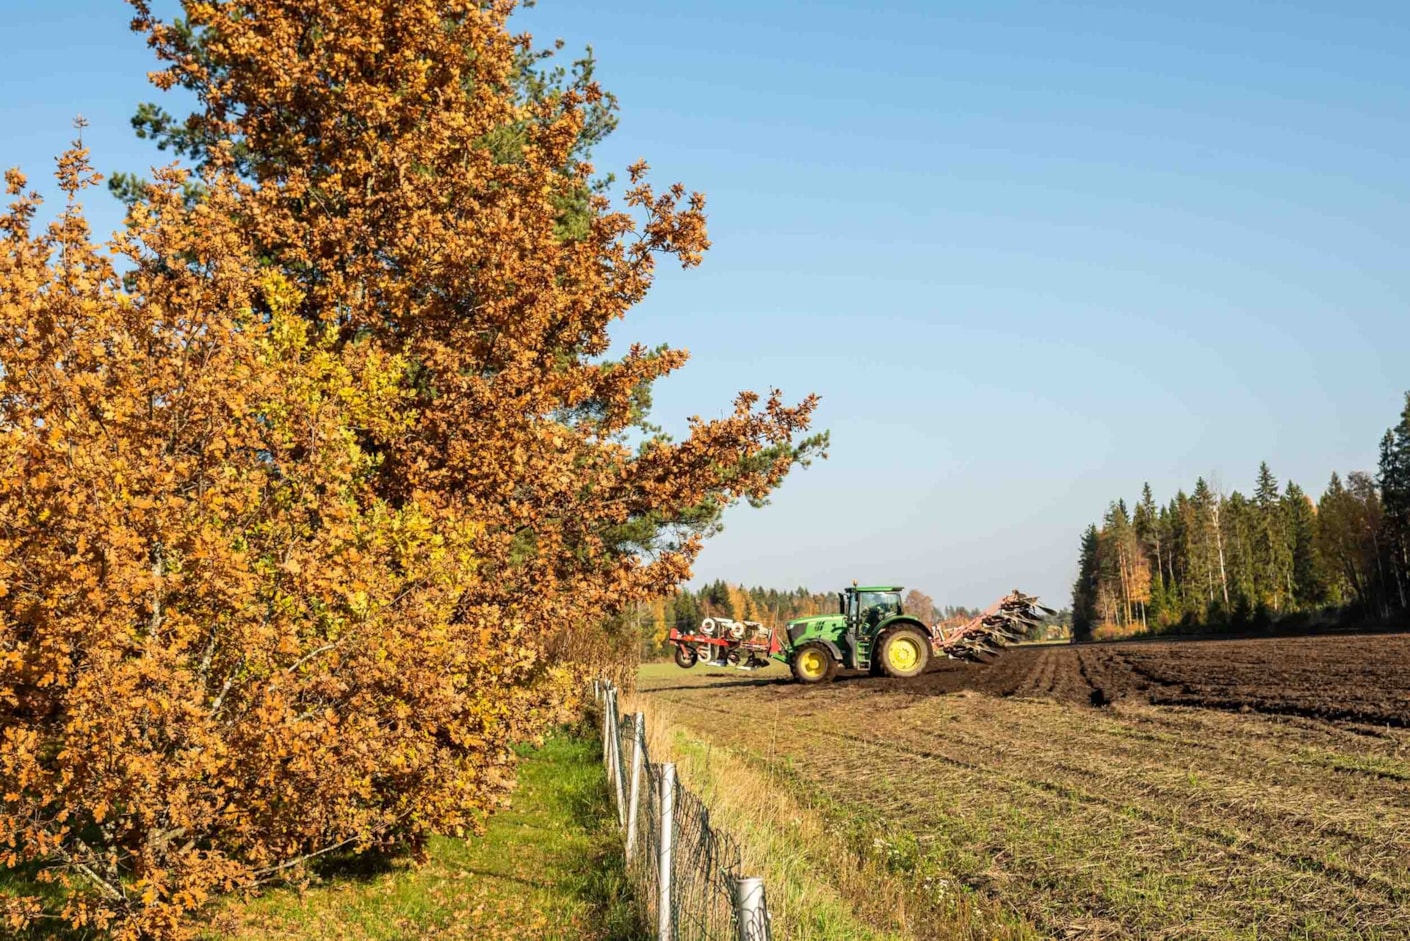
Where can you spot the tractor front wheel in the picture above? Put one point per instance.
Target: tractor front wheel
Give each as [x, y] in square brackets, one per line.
[812, 663]
[904, 652]
[685, 657]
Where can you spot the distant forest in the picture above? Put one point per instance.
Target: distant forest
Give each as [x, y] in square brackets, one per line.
[1207, 560]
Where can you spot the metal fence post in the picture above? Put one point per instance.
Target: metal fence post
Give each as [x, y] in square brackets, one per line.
[663, 865]
[618, 773]
[751, 911]
[634, 800]
[606, 725]
[611, 726]
[612, 735]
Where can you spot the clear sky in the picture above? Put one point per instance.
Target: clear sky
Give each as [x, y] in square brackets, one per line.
[1030, 254]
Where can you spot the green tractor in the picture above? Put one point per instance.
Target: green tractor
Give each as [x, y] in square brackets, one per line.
[871, 632]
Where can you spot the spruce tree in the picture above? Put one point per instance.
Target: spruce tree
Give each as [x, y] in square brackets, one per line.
[1310, 579]
[1184, 587]
[1394, 479]
[1273, 551]
[1239, 524]
[1084, 590]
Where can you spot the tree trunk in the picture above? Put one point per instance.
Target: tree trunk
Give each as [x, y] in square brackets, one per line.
[1219, 543]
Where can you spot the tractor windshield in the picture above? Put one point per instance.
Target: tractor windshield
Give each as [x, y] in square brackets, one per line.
[877, 606]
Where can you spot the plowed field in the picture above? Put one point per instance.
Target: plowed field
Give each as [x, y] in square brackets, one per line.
[1357, 678]
[1223, 789]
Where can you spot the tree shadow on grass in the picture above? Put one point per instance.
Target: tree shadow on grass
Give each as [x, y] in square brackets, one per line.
[22, 881]
[599, 876]
[50, 928]
[358, 867]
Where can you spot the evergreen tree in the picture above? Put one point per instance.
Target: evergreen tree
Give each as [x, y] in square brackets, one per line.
[1184, 592]
[1237, 524]
[1394, 479]
[1206, 546]
[1118, 546]
[1273, 549]
[685, 612]
[1310, 582]
[716, 600]
[1147, 523]
[1084, 590]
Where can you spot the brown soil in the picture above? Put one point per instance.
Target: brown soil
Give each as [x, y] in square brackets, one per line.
[1361, 678]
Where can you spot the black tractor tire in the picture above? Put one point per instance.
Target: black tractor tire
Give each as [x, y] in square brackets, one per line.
[812, 663]
[685, 657]
[904, 652]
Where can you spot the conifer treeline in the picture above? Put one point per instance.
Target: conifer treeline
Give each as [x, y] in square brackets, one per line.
[1206, 559]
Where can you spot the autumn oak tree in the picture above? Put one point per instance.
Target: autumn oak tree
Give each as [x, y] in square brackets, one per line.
[317, 480]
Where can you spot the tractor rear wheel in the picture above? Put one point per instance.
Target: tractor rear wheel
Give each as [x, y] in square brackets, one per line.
[904, 652]
[812, 663]
[685, 657]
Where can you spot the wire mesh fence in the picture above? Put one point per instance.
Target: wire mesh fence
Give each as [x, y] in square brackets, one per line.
[687, 872]
[705, 870]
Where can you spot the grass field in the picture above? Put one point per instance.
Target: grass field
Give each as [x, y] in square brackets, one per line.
[549, 868]
[1264, 812]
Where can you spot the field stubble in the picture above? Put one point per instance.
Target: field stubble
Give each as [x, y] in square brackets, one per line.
[1234, 789]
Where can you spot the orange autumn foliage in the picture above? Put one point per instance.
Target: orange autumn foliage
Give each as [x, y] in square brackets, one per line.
[313, 487]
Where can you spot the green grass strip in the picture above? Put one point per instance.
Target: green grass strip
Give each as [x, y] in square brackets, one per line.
[548, 867]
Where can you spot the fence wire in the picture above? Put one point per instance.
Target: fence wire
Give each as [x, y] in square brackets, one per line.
[645, 865]
[705, 861]
[705, 870]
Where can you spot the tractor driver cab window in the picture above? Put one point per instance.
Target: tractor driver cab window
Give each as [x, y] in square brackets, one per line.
[876, 606]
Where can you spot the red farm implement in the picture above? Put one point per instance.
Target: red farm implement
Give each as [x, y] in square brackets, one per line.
[725, 642]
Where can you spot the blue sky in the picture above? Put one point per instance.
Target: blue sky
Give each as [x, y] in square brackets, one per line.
[1030, 254]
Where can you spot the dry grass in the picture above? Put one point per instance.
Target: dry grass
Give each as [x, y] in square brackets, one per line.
[831, 874]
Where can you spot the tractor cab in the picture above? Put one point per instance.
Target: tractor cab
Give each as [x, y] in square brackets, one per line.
[867, 607]
[870, 631]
